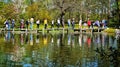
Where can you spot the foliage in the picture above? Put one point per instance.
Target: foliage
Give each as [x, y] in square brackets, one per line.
[109, 30]
[52, 9]
[7, 11]
[38, 13]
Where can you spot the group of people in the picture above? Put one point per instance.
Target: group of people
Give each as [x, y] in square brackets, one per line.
[71, 23]
[7, 24]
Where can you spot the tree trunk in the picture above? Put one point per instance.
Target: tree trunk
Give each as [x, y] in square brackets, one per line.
[62, 18]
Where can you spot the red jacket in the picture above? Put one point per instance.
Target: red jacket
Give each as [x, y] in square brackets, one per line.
[89, 22]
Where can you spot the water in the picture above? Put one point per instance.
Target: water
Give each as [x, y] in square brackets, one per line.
[59, 50]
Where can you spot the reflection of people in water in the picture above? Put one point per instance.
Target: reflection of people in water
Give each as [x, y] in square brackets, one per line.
[13, 40]
[58, 40]
[69, 39]
[98, 40]
[73, 41]
[89, 41]
[45, 40]
[80, 40]
[84, 38]
[52, 40]
[31, 39]
[21, 38]
[37, 38]
[7, 36]
[26, 38]
[103, 40]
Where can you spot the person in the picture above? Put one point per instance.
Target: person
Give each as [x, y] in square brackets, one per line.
[104, 23]
[6, 24]
[73, 23]
[31, 23]
[69, 23]
[85, 23]
[92, 23]
[97, 23]
[38, 23]
[13, 23]
[89, 23]
[45, 23]
[22, 24]
[52, 25]
[58, 23]
[27, 23]
[9, 25]
[80, 23]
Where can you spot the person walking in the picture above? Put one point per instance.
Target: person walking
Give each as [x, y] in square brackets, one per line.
[27, 23]
[6, 24]
[22, 24]
[80, 23]
[31, 23]
[89, 23]
[73, 23]
[69, 23]
[58, 22]
[38, 23]
[52, 24]
[45, 23]
[13, 23]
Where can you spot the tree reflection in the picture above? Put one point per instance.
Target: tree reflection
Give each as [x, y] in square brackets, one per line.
[112, 54]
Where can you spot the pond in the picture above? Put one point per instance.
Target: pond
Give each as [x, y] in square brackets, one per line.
[59, 50]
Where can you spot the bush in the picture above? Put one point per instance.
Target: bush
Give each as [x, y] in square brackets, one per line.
[109, 30]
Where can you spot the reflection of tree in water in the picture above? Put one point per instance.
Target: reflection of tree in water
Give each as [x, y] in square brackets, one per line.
[112, 55]
[61, 53]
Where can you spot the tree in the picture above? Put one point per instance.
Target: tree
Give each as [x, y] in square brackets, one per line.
[63, 6]
[37, 11]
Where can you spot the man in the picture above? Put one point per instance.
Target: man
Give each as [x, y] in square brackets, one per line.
[58, 22]
[45, 23]
[38, 23]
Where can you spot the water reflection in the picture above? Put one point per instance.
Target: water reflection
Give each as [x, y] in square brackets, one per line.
[7, 36]
[37, 38]
[31, 39]
[58, 50]
[26, 38]
[21, 38]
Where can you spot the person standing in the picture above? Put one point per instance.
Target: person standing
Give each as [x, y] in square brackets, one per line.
[45, 23]
[38, 23]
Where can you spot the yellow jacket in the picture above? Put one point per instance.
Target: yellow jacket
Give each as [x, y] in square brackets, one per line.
[45, 21]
